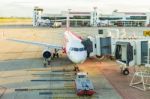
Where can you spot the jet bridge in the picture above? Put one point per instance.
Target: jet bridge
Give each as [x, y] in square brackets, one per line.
[128, 52]
[132, 53]
[98, 46]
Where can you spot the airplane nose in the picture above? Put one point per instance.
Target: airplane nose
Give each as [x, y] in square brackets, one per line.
[79, 58]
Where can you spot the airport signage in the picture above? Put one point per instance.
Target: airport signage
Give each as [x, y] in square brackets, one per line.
[146, 33]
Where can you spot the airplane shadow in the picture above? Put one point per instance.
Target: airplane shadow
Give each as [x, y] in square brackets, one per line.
[60, 61]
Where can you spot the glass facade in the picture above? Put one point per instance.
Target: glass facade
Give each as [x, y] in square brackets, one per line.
[74, 17]
[136, 18]
[128, 23]
[74, 21]
[54, 18]
[80, 17]
[110, 18]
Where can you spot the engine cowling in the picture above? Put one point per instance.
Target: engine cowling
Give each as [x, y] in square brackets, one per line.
[46, 54]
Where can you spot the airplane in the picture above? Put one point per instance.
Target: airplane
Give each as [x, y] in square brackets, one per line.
[73, 47]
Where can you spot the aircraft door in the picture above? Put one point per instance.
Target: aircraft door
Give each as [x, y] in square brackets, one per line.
[88, 46]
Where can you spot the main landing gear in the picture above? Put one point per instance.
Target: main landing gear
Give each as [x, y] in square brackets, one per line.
[55, 54]
[46, 62]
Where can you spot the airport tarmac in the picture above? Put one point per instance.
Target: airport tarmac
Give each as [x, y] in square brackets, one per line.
[26, 78]
[23, 74]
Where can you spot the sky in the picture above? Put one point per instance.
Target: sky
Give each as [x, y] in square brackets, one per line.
[24, 8]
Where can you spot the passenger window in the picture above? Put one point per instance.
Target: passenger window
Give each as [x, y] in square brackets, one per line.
[81, 49]
[81, 76]
[75, 49]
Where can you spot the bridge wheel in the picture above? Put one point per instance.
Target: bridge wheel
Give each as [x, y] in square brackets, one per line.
[125, 72]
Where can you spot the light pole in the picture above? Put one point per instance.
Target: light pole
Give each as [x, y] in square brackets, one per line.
[68, 18]
[95, 16]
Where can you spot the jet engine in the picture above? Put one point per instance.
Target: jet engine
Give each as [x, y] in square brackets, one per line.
[46, 54]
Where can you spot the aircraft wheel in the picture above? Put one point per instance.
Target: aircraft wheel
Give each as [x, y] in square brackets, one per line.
[125, 72]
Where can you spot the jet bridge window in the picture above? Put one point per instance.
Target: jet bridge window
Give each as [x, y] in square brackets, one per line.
[144, 52]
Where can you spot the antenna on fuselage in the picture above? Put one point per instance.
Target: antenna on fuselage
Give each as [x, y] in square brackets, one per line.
[68, 19]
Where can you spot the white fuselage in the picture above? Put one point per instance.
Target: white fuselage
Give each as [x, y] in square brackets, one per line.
[75, 50]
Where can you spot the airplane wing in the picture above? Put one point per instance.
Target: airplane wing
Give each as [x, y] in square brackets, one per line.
[50, 46]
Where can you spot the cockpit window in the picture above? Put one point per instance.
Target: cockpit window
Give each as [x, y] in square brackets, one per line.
[77, 49]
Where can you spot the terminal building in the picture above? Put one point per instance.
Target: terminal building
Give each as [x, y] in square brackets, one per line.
[126, 19]
[76, 18]
[93, 18]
